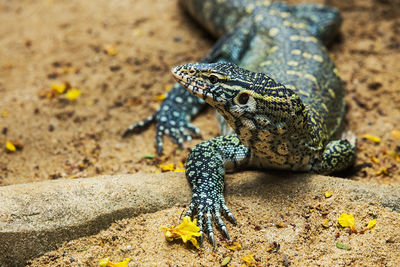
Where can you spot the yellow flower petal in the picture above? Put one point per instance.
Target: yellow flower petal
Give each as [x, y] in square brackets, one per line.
[187, 231]
[382, 170]
[167, 167]
[10, 146]
[325, 223]
[328, 194]
[73, 94]
[395, 133]
[249, 259]
[168, 87]
[104, 262]
[393, 154]
[59, 87]
[110, 49]
[346, 220]
[371, 224]
[107, 263]
[160, 97]
[123, 263]
[235, 246]
[372, 138]
[375, 160]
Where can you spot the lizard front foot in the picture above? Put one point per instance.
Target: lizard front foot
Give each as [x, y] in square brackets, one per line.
[207, 210]
[172, 120]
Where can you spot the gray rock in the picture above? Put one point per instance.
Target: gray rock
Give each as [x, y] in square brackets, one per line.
[37, 217]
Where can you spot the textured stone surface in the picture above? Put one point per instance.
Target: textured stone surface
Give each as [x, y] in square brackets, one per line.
[36, 217]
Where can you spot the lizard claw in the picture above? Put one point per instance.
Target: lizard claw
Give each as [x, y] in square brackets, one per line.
[201, 239]
[206, 214]
[210, 231]
[212, 240]
[225, 233]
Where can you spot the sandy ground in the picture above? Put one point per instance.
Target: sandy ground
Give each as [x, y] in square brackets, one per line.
[47, 42]
[302, 239]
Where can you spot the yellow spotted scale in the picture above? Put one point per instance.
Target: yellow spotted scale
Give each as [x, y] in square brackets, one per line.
[277, 92]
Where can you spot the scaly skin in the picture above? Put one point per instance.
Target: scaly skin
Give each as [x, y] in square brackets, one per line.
[270, 77]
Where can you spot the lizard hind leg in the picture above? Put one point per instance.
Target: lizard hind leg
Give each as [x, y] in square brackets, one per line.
[338, 156]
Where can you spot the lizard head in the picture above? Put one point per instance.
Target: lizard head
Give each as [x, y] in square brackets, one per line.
[206, 81]
[247, 100]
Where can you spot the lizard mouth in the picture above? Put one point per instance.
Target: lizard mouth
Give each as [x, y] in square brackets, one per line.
[192, 83]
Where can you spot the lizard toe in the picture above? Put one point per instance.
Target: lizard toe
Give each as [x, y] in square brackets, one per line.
[192, 128]
[159, 142]
[221, 225]
[229, 214]
[137, 127]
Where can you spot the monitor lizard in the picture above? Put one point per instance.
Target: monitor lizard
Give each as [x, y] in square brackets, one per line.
[272, 81]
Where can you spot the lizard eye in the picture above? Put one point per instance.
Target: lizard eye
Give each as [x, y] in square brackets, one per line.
[243, 98]
[192, 72]
[213, 78]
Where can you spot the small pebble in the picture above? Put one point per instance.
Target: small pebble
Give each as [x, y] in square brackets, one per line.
[178, 39]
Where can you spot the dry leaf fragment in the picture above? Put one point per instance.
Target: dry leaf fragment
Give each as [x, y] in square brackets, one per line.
[274, 247]
[225, 261]
[343, 246]
[347, 220]
[187, 231]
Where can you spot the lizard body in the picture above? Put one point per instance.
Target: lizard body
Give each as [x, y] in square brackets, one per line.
[271, 79]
